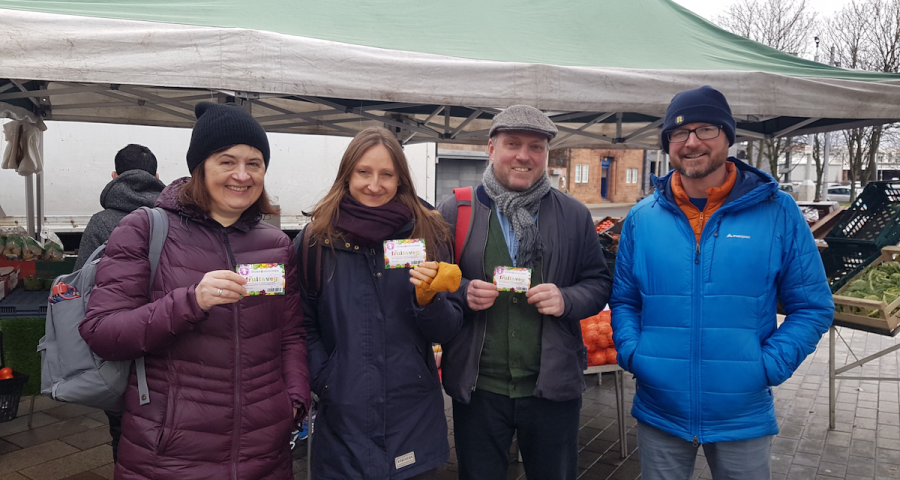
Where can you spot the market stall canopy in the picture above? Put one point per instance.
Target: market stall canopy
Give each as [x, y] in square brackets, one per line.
[433, 71]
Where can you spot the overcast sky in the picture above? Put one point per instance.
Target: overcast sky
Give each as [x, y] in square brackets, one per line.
[709, 9]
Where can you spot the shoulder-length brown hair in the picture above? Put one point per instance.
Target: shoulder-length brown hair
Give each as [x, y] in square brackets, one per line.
[195, 194]
[429, 224]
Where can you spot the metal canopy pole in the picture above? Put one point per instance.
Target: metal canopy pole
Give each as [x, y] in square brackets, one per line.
[39, 193]
[29, 204]
[39, 204]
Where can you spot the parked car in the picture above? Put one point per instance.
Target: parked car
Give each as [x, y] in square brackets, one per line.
[838, 194]
[789, 188]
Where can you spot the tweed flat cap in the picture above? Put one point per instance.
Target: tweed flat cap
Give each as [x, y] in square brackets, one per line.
[523, 118]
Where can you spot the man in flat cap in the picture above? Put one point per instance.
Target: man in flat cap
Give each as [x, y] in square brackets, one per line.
[516, 366]
[702, 265]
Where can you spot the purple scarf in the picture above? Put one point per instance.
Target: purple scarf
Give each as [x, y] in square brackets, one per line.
[371, 224]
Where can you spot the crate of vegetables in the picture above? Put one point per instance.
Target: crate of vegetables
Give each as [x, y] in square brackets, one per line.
[605, 224]
[597, 334]
[871, 300]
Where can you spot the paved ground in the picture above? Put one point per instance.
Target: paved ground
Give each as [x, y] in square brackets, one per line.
[71, 442]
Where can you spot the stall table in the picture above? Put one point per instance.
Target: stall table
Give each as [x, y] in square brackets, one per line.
[837, 373]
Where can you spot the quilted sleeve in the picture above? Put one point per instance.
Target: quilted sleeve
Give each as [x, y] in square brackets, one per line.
[804, 293]
[590, 288]
[293, 341]
[626, 302]
[121, 323]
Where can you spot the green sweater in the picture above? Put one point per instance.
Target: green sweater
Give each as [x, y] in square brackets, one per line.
[511, 357]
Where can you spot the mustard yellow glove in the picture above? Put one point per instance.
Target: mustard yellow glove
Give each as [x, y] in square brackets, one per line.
[446, 280]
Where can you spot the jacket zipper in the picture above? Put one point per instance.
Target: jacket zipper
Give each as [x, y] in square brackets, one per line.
[237, 368]
[696, 307]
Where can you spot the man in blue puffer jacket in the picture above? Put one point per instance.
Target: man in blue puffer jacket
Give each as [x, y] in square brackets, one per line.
[701, 267]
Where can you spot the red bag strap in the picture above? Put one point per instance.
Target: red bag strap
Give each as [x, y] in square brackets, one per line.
[463, 219]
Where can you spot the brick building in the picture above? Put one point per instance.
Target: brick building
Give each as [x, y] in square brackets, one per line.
[596, 176]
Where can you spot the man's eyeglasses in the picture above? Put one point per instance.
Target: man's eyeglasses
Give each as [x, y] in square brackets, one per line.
[708, 132]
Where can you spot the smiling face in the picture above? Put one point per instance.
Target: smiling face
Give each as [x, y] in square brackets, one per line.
[374, 180]
[519, 158]
[234, 180]
[697, 158]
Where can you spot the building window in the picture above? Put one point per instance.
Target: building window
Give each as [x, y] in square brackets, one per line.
[631, 175]
[582, 173]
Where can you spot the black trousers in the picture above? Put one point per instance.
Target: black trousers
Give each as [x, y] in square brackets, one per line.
[115, 430]
[546, 431]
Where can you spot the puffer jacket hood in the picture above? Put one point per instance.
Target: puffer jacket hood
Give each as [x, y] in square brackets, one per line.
[748, 180]
[222, 383]
[130, 191]
[124, 194]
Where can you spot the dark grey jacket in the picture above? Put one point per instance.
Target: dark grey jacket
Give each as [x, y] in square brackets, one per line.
[571, 260]
[124, 194]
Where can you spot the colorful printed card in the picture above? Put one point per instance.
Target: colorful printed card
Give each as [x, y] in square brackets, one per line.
[512, 279]
[263, 278]
[405, 253]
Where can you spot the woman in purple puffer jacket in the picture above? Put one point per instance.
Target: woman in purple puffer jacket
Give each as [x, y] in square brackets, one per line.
[227, 372]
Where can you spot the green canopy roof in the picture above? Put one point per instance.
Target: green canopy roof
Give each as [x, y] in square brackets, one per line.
[640, 34]
[606, 69]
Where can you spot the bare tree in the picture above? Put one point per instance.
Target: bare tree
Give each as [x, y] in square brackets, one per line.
[820, 165]
[865, 35]
[884, 37]
[787, 25]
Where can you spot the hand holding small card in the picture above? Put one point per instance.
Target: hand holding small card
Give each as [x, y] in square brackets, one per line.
[263, 278]
[512, 279]
[404, 253]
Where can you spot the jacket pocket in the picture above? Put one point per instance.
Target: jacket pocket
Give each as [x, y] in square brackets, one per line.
[427, 366]
[322, 384]
[165, 430]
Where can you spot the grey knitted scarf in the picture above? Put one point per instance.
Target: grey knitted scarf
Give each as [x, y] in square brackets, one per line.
[519, 207]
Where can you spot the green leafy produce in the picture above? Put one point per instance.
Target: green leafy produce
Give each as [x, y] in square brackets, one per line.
[880, 283]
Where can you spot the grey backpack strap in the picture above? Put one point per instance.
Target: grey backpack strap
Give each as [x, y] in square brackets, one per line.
[159, 230]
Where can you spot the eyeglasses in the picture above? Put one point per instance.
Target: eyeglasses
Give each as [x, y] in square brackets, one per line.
[708, 132]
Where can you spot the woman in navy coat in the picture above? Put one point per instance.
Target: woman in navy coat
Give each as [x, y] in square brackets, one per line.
[381, 409]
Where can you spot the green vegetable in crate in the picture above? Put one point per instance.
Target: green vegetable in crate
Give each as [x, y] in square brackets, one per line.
[880, 283]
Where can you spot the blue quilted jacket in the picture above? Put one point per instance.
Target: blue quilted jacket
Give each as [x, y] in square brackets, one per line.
[695, 323]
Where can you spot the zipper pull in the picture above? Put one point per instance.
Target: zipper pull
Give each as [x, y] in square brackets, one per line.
[695, 443]
[697, 257]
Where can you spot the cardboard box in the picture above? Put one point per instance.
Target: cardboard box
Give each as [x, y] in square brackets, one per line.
[10, 278]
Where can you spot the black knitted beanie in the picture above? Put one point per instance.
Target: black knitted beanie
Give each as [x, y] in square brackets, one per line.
[221, 125]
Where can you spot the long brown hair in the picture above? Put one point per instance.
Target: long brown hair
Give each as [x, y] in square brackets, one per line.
[429, 224]
[194, 192]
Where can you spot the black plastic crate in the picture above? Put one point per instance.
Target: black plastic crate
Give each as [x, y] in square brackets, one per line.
[21, 303]
[10, 390]
[874, 217]
[10, 395]
[843, 260]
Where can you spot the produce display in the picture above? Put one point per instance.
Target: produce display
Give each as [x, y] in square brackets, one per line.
[597, 334]
[878, 282]
[605, 225]
[16, 245]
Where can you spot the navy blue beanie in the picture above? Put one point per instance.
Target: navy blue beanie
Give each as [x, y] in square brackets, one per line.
[222, 125]
[704, 105]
